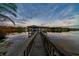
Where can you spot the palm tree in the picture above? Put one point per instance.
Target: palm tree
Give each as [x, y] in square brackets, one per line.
[10, 8]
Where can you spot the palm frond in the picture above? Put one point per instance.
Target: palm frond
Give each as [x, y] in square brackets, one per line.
[8, 18]
[10, 8]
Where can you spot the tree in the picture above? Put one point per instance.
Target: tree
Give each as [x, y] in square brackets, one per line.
[10, 8]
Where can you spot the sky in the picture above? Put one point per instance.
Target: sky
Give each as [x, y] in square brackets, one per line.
[47, 14]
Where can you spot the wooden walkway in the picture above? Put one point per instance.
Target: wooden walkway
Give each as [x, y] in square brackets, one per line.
[38, 48]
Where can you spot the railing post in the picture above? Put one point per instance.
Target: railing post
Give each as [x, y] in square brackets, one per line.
[30, 43]
[53, 49]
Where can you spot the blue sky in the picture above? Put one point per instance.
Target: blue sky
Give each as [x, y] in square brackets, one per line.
[47, 14]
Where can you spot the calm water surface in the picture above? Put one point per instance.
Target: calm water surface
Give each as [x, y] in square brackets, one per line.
[68, 40]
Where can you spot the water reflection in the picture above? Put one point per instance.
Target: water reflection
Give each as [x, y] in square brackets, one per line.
[68, 40]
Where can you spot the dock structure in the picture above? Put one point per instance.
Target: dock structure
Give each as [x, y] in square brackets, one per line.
[38, 44]
[38, 48]
[41, 45]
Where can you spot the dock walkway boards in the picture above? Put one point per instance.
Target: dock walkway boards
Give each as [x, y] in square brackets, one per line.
[38, 48]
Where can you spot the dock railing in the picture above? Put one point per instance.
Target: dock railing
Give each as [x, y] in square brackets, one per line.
[29, 45]
[52, 48]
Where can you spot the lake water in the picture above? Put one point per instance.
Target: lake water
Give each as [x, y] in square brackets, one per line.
[68, 40]
[14, 37]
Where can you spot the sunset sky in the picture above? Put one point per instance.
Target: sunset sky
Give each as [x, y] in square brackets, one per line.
[47, 14]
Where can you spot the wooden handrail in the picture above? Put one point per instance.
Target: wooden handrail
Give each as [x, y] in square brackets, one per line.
[54, 49]
[30, 43]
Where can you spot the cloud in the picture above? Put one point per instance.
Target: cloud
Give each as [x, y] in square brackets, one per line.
[28, 22]
[65, 22]
[35, 21]
[64, 12]
[44, 15]
[6, 23]
[52, 11]
[74, 20]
